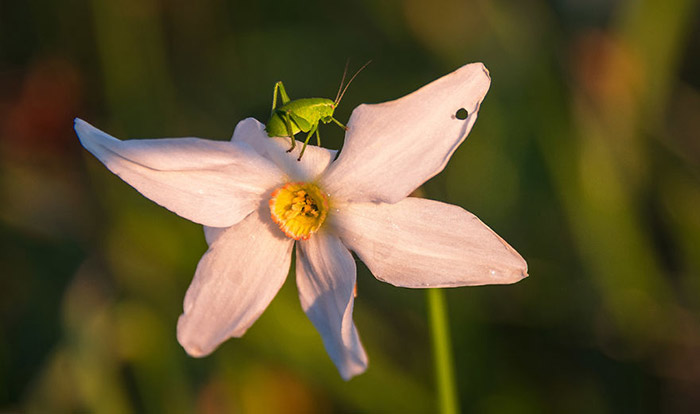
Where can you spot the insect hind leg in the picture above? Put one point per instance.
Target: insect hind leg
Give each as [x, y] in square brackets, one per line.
[288, 125]
[279, 87]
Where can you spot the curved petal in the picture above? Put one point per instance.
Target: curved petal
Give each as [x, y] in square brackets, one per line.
[213, 183]
[392, 148]
[326, 281]
[312, 164]
[211, 234]
[252, 133]
[424, 243]
[234, 282]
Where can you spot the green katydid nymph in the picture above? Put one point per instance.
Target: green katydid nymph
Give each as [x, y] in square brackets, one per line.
[304, 115]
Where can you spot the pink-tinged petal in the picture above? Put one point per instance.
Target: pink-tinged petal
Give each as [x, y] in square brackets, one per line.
[312, 164]
[392, 148]
[252, 133]
[424, 243]
[234, 282]
[326, 280]
[211, 234]
[215, 183]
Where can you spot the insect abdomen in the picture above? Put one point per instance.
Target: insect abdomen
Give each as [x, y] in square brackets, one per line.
[275, 127]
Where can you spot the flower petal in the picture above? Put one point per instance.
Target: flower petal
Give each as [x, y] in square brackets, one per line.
[213, 183]
[392, 148]
[425, 243]
[312, 164]
[252, 133]
[326, 280]
[211, 234]
[234, 282]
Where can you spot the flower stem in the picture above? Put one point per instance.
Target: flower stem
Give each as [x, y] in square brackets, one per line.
[442, 352]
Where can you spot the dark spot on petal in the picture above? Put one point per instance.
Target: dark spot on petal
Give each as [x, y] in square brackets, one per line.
[462, 113]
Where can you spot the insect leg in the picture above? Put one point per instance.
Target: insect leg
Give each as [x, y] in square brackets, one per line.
[279, 87]
[288, 125]
[339, 124]
[274, 96]
[314, 130]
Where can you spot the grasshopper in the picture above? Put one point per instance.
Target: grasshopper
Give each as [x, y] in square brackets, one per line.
[304, 115]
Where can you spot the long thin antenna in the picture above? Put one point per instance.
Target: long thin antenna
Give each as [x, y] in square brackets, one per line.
[342, 81]
[337, 100]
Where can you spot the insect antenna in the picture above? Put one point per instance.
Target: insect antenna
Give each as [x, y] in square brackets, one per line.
[342, 81]
[338, 98]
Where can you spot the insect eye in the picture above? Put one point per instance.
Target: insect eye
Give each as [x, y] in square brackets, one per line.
[462, 113]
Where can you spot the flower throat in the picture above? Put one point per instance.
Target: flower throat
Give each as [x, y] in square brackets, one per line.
[299, 209]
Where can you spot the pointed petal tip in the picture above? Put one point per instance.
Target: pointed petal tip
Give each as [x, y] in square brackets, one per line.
[510, 273]
[517, 275]
[89, 135]
[196, 336]
[485, 69]
[184, 339]
[196, 342]
[523, 274]
[188, 339]
[81, 126]
[353, 371]
[194, 351]
[520, 271]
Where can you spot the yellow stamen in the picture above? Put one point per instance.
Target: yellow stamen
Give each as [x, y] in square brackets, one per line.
[299, 209]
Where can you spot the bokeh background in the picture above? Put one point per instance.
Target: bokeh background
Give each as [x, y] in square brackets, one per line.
[585, 157]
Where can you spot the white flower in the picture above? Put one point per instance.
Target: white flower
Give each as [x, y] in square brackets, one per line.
[254, 200]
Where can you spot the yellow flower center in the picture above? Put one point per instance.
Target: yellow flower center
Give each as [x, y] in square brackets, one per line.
[299, 209]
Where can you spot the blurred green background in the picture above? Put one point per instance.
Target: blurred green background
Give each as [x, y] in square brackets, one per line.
[585, 157]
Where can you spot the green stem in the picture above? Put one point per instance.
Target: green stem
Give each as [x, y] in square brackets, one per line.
[442, 352]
